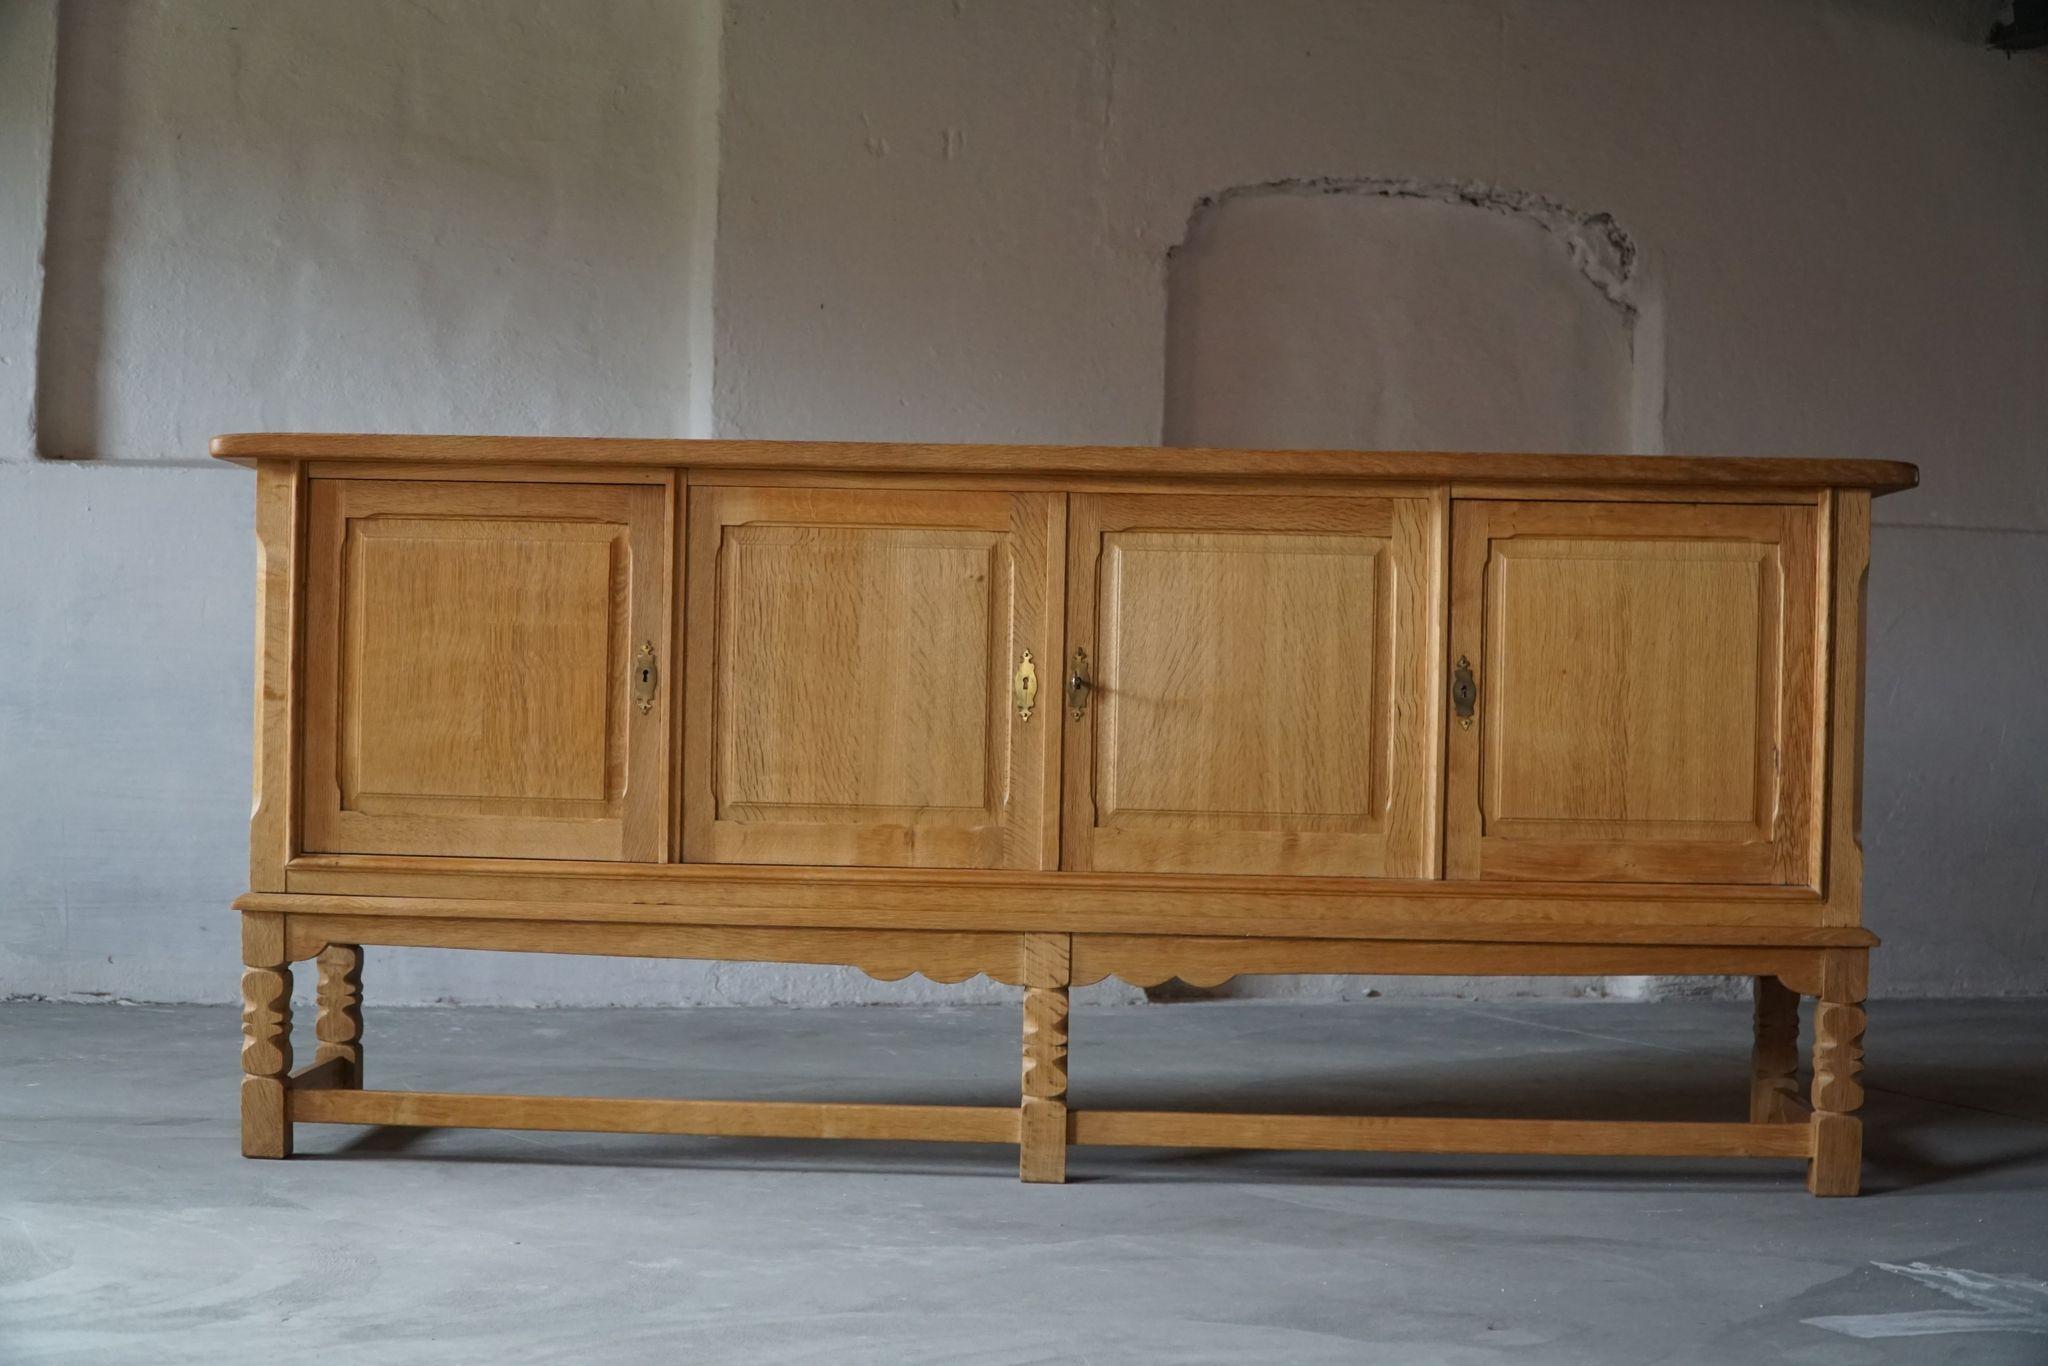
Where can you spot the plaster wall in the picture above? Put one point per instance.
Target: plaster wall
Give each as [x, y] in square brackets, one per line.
[948, 221]
[1839, 210]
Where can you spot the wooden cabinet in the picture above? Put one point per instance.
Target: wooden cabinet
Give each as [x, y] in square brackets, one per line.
[470, 664]
[1261, 690]
[1336, 712]
[851, 663]
[1646, 693]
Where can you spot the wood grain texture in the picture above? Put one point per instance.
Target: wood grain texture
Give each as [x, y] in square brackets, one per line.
[1148, 960]
[1837, 1091]
[1262, 685]
[885, 955]
[1664, 777]
[723, 1118]
[280, 615]
[851, 655]
[823, 901]
[1367, 1133]
[1647, 472]
[339, 1022]
[469, 669]
[266, 1036]
[1774, 1054]
[333, 1074]
[1646, 693]
[1042, 1114]
[1837, 1166]
[1845, 649]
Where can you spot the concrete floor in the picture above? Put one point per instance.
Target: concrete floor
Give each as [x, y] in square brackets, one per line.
[131, 1231]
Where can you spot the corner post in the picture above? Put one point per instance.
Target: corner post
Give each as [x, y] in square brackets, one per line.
[266, 1036]
[339, 1025]
[1042, 1116]
[1837, 1165]
[1774, 1057]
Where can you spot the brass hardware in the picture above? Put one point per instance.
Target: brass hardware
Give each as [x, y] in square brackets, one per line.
[1078, 684]
[1025, 688]
[646, 677]
[1464, 692]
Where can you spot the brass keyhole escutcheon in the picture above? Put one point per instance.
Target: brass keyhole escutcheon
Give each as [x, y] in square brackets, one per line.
[1464, 692]
[646, 677]
[1078, 683]
[1024, 688]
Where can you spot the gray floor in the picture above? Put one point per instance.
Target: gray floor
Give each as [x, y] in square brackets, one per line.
[130, 1231]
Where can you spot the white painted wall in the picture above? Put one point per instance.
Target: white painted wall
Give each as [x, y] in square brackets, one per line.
[946, 221]
[951, 221]
[1375, 315]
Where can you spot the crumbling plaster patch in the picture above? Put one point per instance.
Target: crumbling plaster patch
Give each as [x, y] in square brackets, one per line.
[1598, 246]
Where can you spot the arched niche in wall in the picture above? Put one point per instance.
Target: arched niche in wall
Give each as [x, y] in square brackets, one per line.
[1393, 315]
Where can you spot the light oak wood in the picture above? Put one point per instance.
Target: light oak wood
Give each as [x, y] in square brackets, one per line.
[1646, 472]
[850, 678]
[1477, 919]
[1774, 1057]
[469, 678]
[1042, 1117]
[266, 1035]
[1662, 777]
[1374, 1134]
[1145, 961]
[1844, 648]
[885, 955]
[722, 1118]
[280, 616]
[1837, 1094]
[339, 1024]
[1645, 693]
[1262, 685]
[332, 1074]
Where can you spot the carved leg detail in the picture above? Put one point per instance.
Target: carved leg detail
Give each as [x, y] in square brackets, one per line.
[1837, 1166]
[1774, 1060]
[1042, 1133]
[339, 1025]
[266, 1060]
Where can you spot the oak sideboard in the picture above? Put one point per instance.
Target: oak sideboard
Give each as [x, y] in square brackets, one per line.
[1053, 715]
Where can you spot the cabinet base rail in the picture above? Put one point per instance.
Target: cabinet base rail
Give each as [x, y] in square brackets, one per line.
[1790, 1115]
[1085, 1128]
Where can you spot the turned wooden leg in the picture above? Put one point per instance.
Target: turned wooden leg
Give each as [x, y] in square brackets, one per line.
[266, 1036]
[339, 1025]
[1774, 1059]
[1042, 1120]
[1837, 1165]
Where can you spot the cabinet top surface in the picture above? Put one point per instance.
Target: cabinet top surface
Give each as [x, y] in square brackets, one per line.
[866, 457]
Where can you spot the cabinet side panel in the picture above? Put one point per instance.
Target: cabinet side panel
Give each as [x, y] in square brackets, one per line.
[273, 813]
[1850, 592]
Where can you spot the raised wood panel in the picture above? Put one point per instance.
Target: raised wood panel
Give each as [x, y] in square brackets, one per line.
[1261, 693]
[1647, 692]
[849, 694]
[469, 669]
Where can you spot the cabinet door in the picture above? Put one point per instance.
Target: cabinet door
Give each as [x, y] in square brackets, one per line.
[1646, 692]
[852, 655]
[1262, 697]
[470, 664]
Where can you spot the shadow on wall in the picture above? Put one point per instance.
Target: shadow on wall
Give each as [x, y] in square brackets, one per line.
[1402, 315]
[85, 149]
